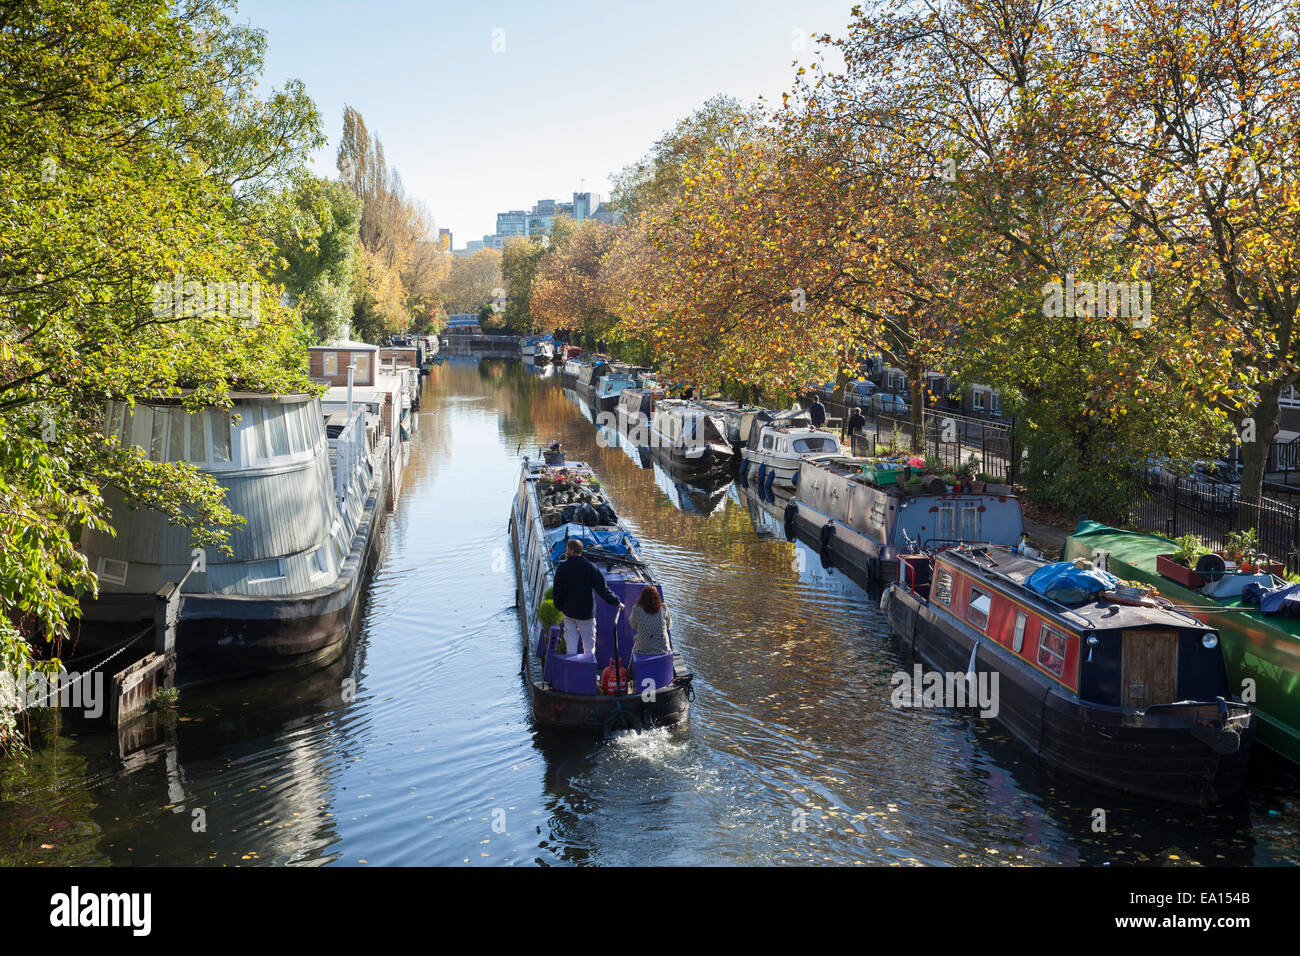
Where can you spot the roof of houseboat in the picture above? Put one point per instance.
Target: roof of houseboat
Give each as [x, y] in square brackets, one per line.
[1000, 565]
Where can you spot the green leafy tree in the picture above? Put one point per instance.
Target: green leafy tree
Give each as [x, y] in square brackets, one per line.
[138, 153]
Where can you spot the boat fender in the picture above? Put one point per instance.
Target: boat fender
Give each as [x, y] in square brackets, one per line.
[791, 512]
[828, 532]
[794, 480]
[884, 600]
[762, 474]
[620, 719]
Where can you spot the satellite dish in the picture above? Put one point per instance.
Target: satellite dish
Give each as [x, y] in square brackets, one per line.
[1211, 567]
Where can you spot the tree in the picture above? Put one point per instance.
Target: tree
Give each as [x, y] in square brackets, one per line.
[314, 227]
[473, 281]
[138, 155]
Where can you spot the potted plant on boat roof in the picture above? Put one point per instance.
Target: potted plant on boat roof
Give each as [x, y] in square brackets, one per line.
[1178, 565]
[554, 453]
[971, 479]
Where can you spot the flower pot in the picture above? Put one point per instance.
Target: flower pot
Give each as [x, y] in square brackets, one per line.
[976, 487]
[1179, 573]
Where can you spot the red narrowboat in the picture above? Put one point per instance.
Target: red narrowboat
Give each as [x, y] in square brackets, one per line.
[1124, 691]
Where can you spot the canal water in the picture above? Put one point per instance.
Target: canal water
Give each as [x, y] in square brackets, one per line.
[417, 747]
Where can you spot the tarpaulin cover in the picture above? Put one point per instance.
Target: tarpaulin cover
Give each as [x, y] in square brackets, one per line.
[1283, 601]
[612, 540]
[1062, 582]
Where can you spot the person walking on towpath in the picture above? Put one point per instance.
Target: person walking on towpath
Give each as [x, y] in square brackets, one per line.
[575, 580]
[817, 412]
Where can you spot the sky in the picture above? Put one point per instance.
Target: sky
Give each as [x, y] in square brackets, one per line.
[574, 91]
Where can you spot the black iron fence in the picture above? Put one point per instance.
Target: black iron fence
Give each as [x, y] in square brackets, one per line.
[947, 440]
[1175, 506]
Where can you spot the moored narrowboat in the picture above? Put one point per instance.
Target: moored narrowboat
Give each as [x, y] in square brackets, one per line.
[635, 408]
[689, 442]
[861, 521]
[552, 505]
[1119, 689]
[1262, 650]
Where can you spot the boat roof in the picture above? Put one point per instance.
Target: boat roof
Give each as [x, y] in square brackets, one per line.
[1000, 566]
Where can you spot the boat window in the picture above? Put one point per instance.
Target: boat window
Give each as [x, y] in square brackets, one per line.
[198, 450]
[251, 420]
[1018, 640]
[331, 363]
[807, 445]
[969, 523]
[220, 435]
[114, 425]
[176, 434]
[1051, 651]
[947, 522]
[943, 586]
[977, 612]
[262, 571]
[112, 571]
[318, 563]
[293, 415]
[277, 433]
[767, 441]
[128, 422]
[159, 432]
[362, 361]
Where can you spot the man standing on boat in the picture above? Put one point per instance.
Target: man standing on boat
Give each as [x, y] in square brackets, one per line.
[575, 580]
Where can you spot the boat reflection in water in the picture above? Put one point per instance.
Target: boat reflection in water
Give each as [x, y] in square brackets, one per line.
[698, 499]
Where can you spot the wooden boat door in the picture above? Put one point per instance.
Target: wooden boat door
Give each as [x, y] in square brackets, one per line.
[1150, 674]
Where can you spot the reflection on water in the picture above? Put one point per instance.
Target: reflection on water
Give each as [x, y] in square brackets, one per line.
[418, 747]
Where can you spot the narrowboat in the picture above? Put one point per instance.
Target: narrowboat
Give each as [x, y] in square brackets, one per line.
[1262, 650]
[732, 415]
[689, 442]
[1110, 685]
[861, 521]
[553, 504]
[607, 390]
[589, 376]
[312, 491]
[635, 408]
[572, 369]
[776, 442]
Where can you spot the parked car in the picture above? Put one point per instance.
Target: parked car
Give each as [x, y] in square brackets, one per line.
[858, 393]
[1212, 485]
[890, 402]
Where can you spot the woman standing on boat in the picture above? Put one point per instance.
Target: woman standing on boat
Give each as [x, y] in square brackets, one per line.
[575, 579]
[650, 621]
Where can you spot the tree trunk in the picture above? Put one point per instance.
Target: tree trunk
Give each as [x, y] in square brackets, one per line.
[1254, 454]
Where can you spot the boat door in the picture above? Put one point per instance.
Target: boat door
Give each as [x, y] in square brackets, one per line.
[1150, 674]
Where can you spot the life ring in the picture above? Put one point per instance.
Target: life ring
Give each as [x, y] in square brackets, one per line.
[621, 719]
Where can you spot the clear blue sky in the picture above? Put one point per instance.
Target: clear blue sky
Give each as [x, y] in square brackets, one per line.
[583, 87]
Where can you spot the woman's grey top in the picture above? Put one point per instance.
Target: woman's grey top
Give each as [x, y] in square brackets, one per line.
[651, 631]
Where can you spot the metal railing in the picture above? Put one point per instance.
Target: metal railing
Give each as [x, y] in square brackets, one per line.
[947, 440]
[349, 454]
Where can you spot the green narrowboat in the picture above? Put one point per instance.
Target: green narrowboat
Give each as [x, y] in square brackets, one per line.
[1258, 647]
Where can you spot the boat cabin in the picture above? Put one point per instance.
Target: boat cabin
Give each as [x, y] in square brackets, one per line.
[1131, 655]
[329, 363]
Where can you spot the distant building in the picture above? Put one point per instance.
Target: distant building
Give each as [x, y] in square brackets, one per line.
[463, 323]
[518, 223]
[444, 240]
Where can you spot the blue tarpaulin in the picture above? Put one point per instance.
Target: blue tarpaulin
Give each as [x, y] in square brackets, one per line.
[612, 540]
[1283, 601]
[1062, 582]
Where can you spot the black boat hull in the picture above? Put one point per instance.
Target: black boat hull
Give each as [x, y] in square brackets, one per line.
[1152, 753]
[224, 637]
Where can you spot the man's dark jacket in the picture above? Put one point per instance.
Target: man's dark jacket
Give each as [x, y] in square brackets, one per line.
[817, 414]
[575, 579]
